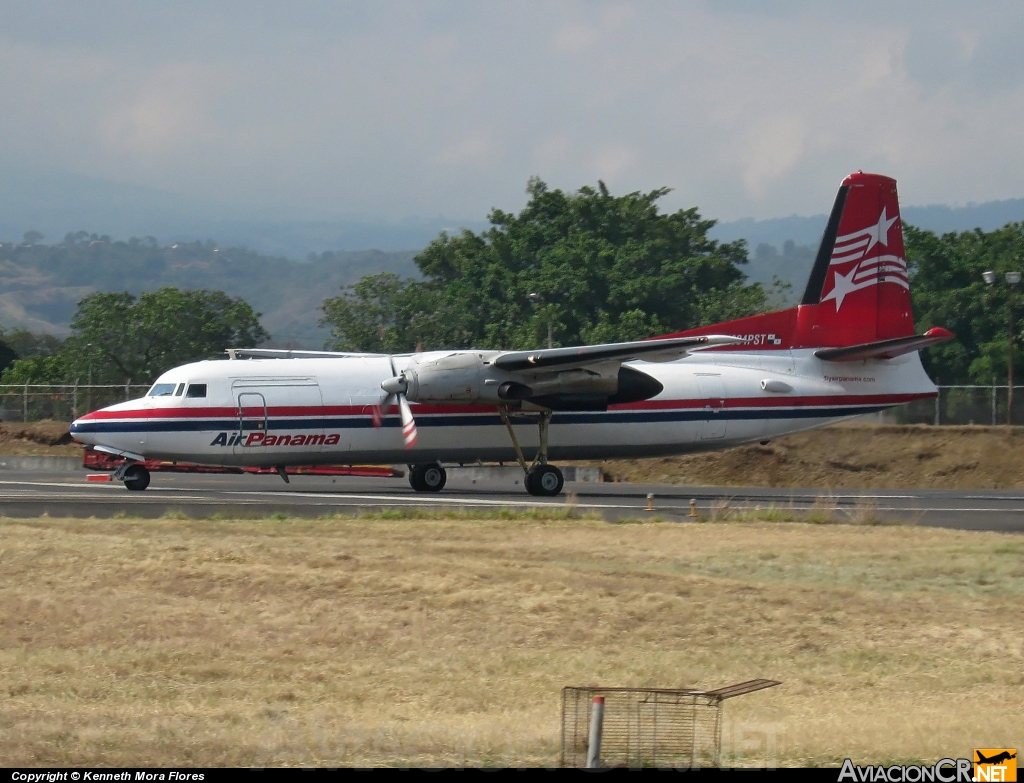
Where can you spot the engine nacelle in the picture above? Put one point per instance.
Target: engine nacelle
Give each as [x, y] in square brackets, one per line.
[454, 378]
[469, 378]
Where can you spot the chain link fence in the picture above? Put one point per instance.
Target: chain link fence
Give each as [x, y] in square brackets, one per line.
[982, 405]
[35, 402]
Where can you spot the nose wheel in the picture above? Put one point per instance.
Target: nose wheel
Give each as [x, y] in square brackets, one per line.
[427, 478]
[135, 478]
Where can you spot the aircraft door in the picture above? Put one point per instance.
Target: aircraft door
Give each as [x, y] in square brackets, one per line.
[280, 418]
[712, 392]
[252, 418]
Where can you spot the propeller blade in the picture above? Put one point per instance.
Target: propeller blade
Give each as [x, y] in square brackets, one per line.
[378, 410]
[408, 422]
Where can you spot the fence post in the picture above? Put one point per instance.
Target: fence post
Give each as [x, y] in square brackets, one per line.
[126, 392]
[937, 397]
[596, 724]
[74, 402]
[993, 402]
[24, 404]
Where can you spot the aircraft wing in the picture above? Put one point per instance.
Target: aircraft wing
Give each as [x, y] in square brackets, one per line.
[649, 350]
[281, 353]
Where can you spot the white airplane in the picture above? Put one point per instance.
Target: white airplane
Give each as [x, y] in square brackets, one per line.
[849, 348]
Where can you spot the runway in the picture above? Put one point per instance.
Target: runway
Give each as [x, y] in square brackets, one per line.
[24, 494]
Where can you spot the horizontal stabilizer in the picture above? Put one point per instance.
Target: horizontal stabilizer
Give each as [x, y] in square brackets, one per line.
[886, 349]
[666, 349]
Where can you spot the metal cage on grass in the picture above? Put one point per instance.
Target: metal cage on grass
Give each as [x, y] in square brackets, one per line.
[649, 727]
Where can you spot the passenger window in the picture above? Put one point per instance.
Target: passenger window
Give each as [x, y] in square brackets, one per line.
[196, 390]
[179, 390]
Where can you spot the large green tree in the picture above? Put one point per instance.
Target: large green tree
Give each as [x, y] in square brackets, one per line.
[118, 337]
[591, 266]
[26, 357]
[948, 290]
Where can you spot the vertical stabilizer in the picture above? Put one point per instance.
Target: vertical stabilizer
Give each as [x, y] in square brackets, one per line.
[857, 292]
[858, 287]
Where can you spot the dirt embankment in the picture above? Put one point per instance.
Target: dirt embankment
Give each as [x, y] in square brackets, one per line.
[38, 439]
[851, 456]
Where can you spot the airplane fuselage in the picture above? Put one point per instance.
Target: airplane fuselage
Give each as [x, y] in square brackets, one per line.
[268, 412]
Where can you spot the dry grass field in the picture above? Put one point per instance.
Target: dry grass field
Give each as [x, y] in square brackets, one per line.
[375, 640]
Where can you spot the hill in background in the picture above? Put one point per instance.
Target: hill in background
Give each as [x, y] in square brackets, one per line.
[40, 285]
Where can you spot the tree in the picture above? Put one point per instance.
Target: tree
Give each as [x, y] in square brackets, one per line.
[603, 268]
[123, 338]
[37, 369]
[26, 343]
[381, 313]
[19, 352]
[947, 290]
[8, 354]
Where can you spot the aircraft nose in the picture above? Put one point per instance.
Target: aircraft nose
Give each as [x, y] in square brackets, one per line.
[79, 430]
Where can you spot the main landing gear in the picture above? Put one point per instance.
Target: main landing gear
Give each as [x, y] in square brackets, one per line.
[427, 478]
[542, 479]
[134, 476]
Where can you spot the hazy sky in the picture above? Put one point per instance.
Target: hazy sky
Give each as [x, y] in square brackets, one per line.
[399, 109]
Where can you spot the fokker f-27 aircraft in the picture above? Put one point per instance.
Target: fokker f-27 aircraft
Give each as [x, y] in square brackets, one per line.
[849, 348]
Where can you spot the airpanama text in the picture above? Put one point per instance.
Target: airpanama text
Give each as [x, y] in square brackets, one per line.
[263, 439]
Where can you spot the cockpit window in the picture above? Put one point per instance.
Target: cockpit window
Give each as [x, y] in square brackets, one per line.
[163, 390]
[196, 390]
[179, 390]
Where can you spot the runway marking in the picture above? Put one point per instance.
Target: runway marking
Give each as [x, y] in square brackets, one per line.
[421, 499]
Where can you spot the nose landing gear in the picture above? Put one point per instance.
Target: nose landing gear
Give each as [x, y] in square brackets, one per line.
[134, 476]
[542, 479]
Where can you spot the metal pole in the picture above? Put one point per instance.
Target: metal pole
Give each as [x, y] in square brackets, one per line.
[551, 342]
[24, 404]
[126, 392]
[596, 725]
[938, 395]
[74, 402]
[1009, 368]
[993, 400]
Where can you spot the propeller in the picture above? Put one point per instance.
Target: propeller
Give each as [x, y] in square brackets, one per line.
[396, 388]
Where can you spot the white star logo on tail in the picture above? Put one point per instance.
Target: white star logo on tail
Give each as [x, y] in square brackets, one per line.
[855, 247]
[842, 285]
[880, 232]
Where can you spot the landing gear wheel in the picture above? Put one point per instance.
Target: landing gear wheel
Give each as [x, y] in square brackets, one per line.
[427, 478]
[136, 478]
[544, 481]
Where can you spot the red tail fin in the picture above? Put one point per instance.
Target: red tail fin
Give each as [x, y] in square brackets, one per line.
[859, 281]
[858, 291]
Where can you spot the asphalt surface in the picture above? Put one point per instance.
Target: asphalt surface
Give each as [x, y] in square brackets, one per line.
[24, 494]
